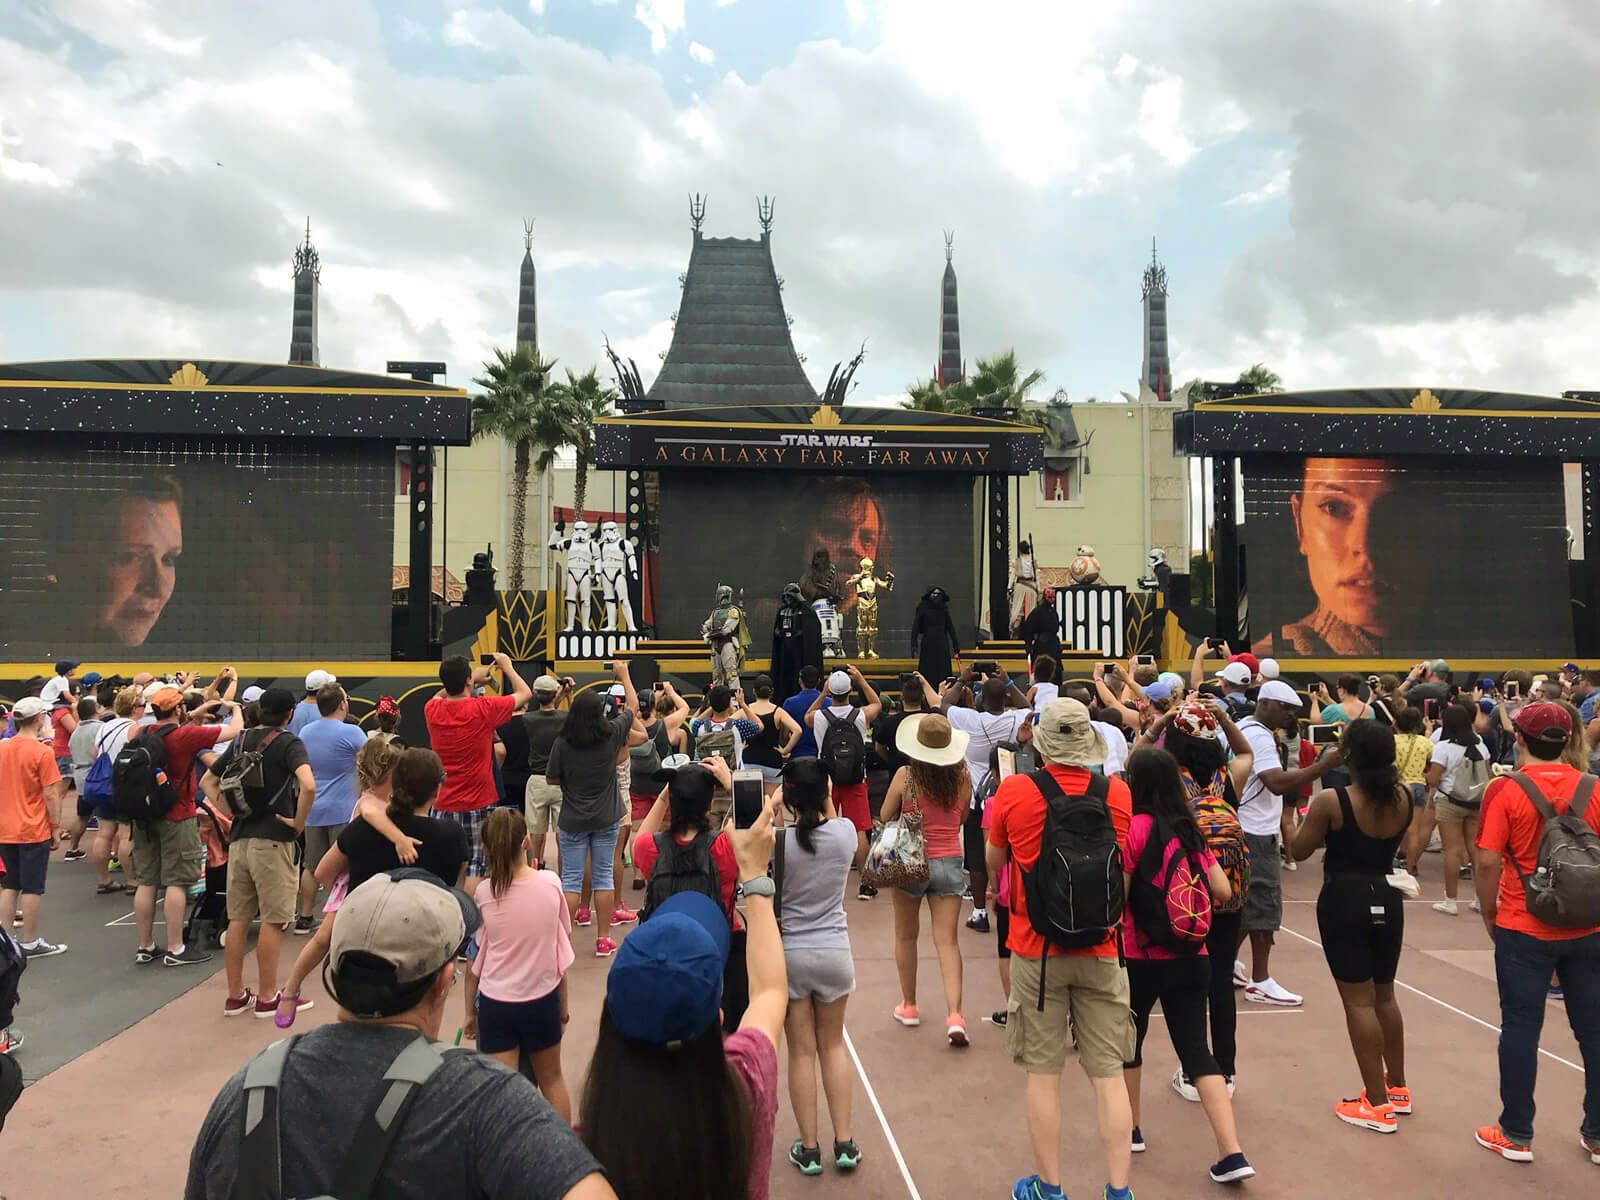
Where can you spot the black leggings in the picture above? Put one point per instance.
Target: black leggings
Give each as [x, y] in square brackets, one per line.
[1181, 985]
[1222, 945]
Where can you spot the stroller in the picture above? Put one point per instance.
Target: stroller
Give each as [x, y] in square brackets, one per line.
[207, 913]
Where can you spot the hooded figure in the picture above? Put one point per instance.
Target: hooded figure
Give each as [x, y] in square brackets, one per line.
[796, 642]
[1041, 628]
[933, 635]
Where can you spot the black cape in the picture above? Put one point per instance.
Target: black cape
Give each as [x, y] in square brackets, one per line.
[933, 640]
[796, 643]
[1041, 632]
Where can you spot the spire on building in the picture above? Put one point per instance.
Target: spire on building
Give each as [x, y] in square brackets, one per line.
[949, 368]
[527, 295]
[1157, 369]
[303, 331]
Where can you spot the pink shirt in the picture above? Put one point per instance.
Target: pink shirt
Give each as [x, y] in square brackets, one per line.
[754, 1060]
[524, 944]
[941, 827]
[1138, 834]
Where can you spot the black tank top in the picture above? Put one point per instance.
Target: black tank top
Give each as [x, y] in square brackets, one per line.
[762, 750]
[1351, 852]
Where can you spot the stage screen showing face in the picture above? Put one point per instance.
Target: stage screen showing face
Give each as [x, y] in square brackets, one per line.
[758, 532]
[1407, 558]
[177, 553]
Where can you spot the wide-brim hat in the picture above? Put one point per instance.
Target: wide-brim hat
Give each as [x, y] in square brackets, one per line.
[929, 738]
[1065, 735]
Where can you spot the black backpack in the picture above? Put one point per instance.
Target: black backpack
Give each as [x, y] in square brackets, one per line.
[140, 789]
[682, 868]
[13, 962]
[243, 780]
[1074, 892]
[1564, 889]
[843, 751]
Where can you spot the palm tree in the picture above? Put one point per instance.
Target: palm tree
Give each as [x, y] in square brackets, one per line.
[927, 396]
[583, 399]
[519, 405]
[1262, 378]
[999, 383]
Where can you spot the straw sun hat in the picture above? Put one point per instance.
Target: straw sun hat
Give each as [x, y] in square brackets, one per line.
[928, 738]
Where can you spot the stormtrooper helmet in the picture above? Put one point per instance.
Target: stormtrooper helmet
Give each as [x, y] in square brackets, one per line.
[1156, 557]
[608, 532]
[724, 594]
[580, 530]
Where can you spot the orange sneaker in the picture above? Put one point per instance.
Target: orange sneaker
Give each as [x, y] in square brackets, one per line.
[906, 1014]
[955, 1028]
[1490, 1138]
[1400, 1099]
[1359, 1112]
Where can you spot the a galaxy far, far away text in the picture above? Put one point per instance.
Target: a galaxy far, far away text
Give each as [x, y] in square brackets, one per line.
[795, 450]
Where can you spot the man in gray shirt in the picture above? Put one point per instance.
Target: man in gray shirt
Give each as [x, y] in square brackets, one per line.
[473, 1129]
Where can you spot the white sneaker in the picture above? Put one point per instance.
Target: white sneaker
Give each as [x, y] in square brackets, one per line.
[1447, 907]
[1241, 974]
[1184, 1086]
[1475, 907]
[1435, 846]
[1268, 991]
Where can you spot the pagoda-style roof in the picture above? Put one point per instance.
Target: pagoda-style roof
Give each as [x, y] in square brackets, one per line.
[731, 343]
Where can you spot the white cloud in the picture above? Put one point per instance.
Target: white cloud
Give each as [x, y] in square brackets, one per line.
[701, 54]
[855, 12]
[662, 18]
[536, 7]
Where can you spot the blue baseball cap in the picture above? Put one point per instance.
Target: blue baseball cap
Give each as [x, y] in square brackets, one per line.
[1158, 691]
[665, 985]
[1486, 706]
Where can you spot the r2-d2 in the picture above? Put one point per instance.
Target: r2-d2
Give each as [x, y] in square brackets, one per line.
[828, 616]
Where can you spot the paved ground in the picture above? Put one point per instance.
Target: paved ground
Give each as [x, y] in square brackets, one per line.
[126, 1062]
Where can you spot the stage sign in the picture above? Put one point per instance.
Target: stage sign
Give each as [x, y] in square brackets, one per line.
[1406, 557]
[180, 553]
[758, 533]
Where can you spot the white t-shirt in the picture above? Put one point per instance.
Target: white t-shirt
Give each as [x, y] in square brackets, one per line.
[1260, 808]
[985, 732]
[113, 736]
[1043, 693]
[1116, 747]
[819, 723]
[1450, 756]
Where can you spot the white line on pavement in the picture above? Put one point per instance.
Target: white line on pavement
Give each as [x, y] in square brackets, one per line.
[872, 1096]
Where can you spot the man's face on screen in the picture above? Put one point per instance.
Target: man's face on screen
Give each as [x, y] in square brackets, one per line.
[849, 529]
[1350, 523]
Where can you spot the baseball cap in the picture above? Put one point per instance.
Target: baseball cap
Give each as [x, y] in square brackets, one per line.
[165, 699]
[617, 690]
[275, 701]
[546, 685]
[319, 679]
[1276, 689]
[28, 708]
[839, 684]
[1172, 679]
[404, 924]
[1236, 673]
[67, 664]
[1486, 706]
[665, 984]
[1269, 668]
[1438, 666]
[92, 678]
[1249, 660]
[1065, 736]
[1539, 722]
[251, 694]
[1157, 691]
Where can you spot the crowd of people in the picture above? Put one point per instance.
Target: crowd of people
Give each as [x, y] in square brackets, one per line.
[1123, 837]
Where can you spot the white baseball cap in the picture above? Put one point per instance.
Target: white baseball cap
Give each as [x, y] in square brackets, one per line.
[839, 684]
[320, 679]
[1269, 668]
[1235, 673]
[1276, 689]
[251, 694]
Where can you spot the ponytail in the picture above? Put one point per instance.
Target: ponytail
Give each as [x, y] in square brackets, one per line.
[504, 833]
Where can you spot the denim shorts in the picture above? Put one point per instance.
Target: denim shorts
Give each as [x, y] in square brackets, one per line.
[598, 845]
[946, 877]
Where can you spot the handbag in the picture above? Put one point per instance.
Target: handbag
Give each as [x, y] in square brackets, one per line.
[899, 856]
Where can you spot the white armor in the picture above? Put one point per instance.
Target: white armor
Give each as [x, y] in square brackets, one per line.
[580, 549]
[617, 566]
[828, 618]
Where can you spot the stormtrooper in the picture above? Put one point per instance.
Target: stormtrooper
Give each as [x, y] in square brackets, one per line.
[580, 550]
[617, 567]
[724, 630]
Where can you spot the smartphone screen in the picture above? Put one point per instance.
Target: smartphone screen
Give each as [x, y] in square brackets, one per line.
[486, 660]
[747, 797]
[1513, 690]
[1109, 667]
[1430, 709]
[1324, 735]
[1145, 660]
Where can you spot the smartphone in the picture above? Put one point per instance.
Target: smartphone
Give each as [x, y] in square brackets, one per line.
[486, 660]
[1324, 735]
[1430, 709]
[1144, 660]
[985, 668]
[1513, 690]
[1110, 668]
[656, 686]
[748, 797]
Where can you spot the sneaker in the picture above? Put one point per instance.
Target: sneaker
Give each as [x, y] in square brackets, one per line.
[1138, 1141]
[1448, 907]
[1232, 1169]
[1228, 1079]
[978, 922]
[187, 957]
[269, 1008]
[808, 1159]
[113, 864]
[998, 1018]
[1362, 1114]
[74, 855]
[145, 955]
[583, 917]
[43, 949]
[1289, 864]
[621, 914]
[1465, 872]
[1269, 991]
[1034, 1188]
[1184, 1086]
[906, 1014]
[232, 1007]
[865, 892]
[1400, 1099]
[1591, 1146]
[304, 926]
[1475, 906]
[955, 1028]
[1435, 845]
[604, 947]
[1490, 1138]
[10, 1040]
[1241, 974]
[846, 1155]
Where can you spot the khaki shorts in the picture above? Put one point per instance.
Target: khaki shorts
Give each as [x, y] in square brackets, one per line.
[1093, 991]
[262, 880]
[167, 853]
[1447, 812]
[541, 805]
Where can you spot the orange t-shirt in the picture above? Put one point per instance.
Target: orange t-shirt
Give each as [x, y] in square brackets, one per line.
[1511, 827]
[1017, 824]
[27, 767]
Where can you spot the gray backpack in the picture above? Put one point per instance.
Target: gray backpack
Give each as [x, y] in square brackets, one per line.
[1564, 889]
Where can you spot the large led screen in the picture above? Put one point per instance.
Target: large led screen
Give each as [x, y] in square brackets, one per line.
[1407, 557]
[178, 551]
[758, 532]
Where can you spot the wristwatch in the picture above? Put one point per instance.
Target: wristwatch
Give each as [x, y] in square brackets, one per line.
[761, 885]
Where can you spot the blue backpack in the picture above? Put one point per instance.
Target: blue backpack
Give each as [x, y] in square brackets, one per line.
[97, 783]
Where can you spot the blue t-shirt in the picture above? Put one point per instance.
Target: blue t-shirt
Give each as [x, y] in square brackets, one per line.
[331, 747]
[1586, 709]
[304, 713]
[796, 706]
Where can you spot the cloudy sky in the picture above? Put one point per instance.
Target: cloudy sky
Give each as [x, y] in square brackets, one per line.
[1353, 191]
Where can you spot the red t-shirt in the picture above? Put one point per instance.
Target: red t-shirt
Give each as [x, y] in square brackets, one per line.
[60, 735]
[1017, 824]
[1510, 826]
[182, 743]
[461, 733]
[644, 860]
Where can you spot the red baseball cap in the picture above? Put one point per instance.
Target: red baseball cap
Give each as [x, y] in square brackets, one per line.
[1544, 722]
[1249, 660]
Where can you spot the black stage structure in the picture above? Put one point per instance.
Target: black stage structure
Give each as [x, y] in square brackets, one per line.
[1472, 484]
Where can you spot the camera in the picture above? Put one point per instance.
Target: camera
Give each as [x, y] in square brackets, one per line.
[985, 668]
